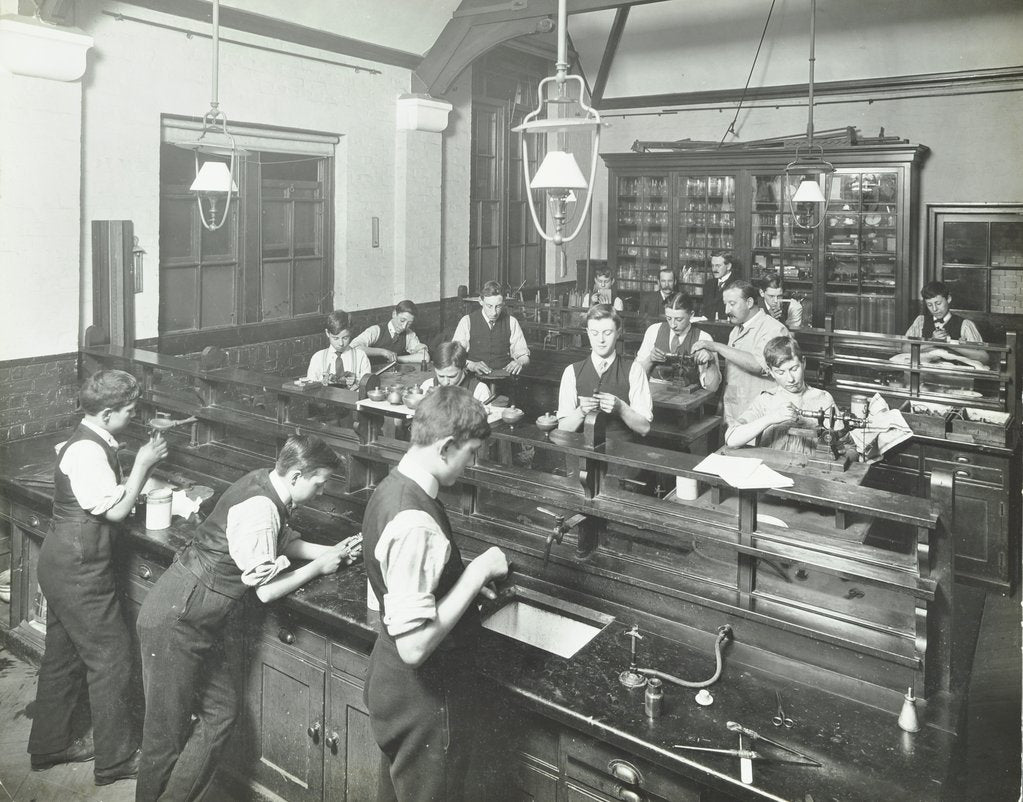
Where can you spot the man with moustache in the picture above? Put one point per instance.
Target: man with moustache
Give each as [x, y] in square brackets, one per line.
[722, 265]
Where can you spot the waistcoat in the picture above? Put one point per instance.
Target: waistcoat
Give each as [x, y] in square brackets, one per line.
[492, 346]
[65, 505]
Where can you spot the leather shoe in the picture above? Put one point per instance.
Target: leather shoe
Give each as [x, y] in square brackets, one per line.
[124, 770]
[80, 751]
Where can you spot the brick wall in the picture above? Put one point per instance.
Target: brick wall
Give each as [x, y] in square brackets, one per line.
[1007, 292]
[37, 396]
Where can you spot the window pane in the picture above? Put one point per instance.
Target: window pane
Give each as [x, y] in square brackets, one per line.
[276, 228]
[968, 287]
[222, 243]
[1007, 244]
[276, 290]
[490, 225]
[308, 285]
[307, 229]
[177, 297]
[177, 217]
[964, 244]
[218, 295]
[516, 213]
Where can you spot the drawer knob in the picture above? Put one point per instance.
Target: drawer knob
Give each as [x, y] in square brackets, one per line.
[961, 458]
[961, 474]
[286, 636]
[314, 732]
[332, 741]
[145, 571]
[630, 794]
[625, 772]
[34, 521]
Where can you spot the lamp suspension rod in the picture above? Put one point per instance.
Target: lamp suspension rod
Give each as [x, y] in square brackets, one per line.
[809, 114]
[562, 65]
[214, 103]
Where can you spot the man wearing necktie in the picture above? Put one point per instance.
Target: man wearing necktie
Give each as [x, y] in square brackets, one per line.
[948, 331]
[605, 381]
[723, 267]
[492, 338]
[676, 336]
[746, 372]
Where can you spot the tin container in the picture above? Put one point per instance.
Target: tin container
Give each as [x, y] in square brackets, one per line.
[158, 508]
[858, 406]
[653, 698]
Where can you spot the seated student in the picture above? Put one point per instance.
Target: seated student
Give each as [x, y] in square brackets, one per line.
[603, 290]
[190, 664]
[393, 341]
[788, 311]
[939, 325]
[492, 337]
[603, 380]
[339, 357]
[449, 370]
[677, 336]
[423, 690]
[773, 420]
[88, 647]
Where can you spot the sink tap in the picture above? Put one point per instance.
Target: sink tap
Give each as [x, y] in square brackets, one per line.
[561, 525]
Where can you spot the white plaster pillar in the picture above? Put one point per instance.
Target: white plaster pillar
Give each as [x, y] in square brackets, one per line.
[40, 185]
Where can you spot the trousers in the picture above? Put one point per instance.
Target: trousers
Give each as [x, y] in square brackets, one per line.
[88, 644]
[192, 664]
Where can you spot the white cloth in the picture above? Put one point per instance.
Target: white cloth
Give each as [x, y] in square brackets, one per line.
[412, 551]
[251, 530]
[323, 363]
[639, 388]
[92, 480]
[517, 346]
[369, 337]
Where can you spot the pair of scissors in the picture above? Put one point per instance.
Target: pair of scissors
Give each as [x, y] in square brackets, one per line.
[780, 718]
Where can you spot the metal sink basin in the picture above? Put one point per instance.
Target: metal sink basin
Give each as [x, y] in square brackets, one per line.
[556, 626]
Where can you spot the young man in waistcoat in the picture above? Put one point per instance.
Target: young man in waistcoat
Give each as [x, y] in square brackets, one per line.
[604, 380]
[449, 368]
[677, 336]
[88, 645]
[788, 311]
[942, 328]
[492, 337]
[422, 687]
[190, 621]
[393, 341]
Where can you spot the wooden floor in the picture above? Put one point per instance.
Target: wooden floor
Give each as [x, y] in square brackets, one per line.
[991, 772]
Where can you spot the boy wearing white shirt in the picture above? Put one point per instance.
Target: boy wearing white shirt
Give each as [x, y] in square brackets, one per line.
[339, 357]
[676, 336]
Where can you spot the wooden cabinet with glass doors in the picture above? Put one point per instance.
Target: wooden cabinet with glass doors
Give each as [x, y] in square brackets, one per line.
[854, 261]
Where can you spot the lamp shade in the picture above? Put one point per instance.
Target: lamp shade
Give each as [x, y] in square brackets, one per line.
[808, 192]
[558, 170]
[214, 176]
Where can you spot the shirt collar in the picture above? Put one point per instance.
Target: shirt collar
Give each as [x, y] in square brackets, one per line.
[596, 360]
[418, 474]
[724, 279]
[391, 329]
[283, 491]
[948, 317]
[107, 437]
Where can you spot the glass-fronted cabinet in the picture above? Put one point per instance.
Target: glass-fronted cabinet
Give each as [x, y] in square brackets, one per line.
[643, 225]
[706, 223]
[858, 266]
[977, 251]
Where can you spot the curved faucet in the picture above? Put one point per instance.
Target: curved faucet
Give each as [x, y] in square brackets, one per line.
[561, 525]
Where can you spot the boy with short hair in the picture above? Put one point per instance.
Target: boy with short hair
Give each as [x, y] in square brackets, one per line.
[492, 338]
[945, 330]
[449, 370]
[676, 336]
[421, 690]
[604, 381]
[780, 418]
[604, 291]
[394, 340]
[88, 645]
[190, 660]
[341, 356]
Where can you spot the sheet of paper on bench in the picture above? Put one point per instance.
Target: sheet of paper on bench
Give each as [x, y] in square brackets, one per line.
[743, 472]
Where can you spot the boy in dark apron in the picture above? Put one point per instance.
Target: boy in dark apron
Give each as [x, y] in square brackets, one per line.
[421, 690]
[88, 645]
[189, 663]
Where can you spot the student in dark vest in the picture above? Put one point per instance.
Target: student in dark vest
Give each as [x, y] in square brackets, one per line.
[947, 331]
[788, 311]
[449, 370]
[189, 625]
[724, 270]
[88, 645]
[605, 381]
[492, 338]
[422, 690]
[676, 336]
[393, 341]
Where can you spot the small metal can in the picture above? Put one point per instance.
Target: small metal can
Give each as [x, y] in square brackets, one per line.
[858, 406]
[653, 698]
